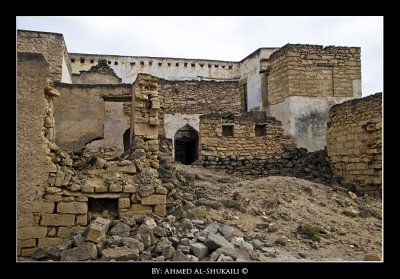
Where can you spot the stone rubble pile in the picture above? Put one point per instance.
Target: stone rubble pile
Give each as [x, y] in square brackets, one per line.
[145, 238]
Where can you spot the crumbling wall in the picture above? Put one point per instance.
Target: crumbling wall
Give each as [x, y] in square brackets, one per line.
[33, 162]
[192, 97]
[145, 145]
[354, 142]
[59, 199]
[313, 71]
[80, 113]
[101, 73]
[243, 145]
[253, 153]
[128, 67]
[115, 125]
[52, 47]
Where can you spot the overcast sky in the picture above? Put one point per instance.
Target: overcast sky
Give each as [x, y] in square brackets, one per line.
[221, 38]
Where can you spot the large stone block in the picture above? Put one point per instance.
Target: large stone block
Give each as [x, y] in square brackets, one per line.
[63, 220]
[31, 232]
[50, 241]
[98, 229]
[124, 203]
[65, 232]
[72, 207]
[81, 219]
[26, 243]
[43, 207]
[154, 200]
[86, 251]
[160, 210]
[145, 130]
[27, 252]
[131, 213]
[120, 254]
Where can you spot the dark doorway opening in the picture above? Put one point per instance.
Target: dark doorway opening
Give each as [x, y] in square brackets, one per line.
[105, 208]
[186, 145]
[127, 142]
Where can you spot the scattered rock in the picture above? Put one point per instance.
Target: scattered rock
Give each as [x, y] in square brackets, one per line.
[120, 229]
[199, 250]
[87, 251]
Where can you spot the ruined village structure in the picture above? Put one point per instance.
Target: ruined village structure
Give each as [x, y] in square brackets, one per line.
[95, 133]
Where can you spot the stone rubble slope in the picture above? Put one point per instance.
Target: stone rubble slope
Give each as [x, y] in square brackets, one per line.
[215, 217]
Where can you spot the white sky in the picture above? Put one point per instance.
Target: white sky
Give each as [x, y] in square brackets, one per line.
[221, 38]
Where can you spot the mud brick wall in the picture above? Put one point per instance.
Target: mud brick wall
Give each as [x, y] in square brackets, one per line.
[34, 128]
[50, 45]
[313, 71]
[354, 142]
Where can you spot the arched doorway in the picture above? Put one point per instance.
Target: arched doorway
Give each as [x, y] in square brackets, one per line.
[126, 140]
[186, 145]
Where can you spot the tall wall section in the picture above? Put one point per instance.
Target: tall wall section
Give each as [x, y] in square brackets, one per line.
[313, 71]
[52, 47]
[354, 142]
[34, 112]
[303, 82]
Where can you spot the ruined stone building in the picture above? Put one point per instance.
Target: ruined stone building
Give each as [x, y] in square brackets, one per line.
[254, 116]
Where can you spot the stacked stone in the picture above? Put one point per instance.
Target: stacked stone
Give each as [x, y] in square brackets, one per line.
[246, 154]
[244, 145]
[145, 146]
[354, 142]
[312, 70]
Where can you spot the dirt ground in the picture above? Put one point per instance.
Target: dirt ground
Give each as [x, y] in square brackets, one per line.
[278, 210]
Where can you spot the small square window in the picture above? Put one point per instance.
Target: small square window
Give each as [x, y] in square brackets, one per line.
[227, 130]
[72, 60]
[260, 130]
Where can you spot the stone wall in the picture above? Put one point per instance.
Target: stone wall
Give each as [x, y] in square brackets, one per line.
[252, 153]
[52, 47]
[313, 71]
[181, 98]
[80, 113]
[354, 142]
[34, 96]
[194, 97]
[244, 145]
